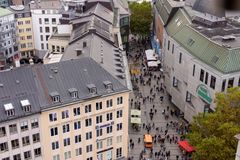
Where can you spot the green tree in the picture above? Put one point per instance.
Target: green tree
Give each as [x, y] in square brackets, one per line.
[213, 133]
[141, 18]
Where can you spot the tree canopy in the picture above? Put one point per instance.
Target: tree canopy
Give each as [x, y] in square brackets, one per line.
[213, 133]
[141, 18]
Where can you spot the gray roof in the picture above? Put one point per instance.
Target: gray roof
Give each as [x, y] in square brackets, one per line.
[38, 83]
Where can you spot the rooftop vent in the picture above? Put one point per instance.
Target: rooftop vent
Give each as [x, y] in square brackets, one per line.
[1, 85]
[228, 38]
[92, 88]
[9, 109]
[26, 106]
[17, 81]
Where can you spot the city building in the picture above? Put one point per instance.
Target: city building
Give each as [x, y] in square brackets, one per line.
[77, 108]
[24, 30]
[8, 37]
[90, 32]
[45, 17]
[200, 57]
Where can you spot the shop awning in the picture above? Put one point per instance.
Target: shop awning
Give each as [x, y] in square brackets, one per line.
[135, 120]
[186, 146]
[135, 112]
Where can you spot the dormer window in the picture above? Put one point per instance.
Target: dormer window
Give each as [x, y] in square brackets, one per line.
[55, 97]
[26, 106]
[92, 88]
[9, 109]
[108, 85]
[73, 92]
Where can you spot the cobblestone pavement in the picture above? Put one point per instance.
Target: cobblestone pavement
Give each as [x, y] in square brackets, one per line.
[158, 118]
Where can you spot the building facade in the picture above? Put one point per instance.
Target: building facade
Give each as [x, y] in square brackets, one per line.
[24, 30]
[198, 59]
[4, 3]
[8, 41]
[45, 17]
[63, 111]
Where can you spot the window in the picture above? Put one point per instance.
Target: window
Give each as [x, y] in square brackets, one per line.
[2, 131]
[99, 144]
[180, 58]
[53, 48]
[98, 119]
[230, 82]
[175, 82]
[201, 75]
[119, 139]
[88, 108]
[55, 145]
[27, 155]
[88, 122]
[53, 117]
[54, 131]
[188, 97]
[67, 155]
[77, 125]
[40, 21]
[89, 148]
[109, 129]
[206, 78]
[46, 20]
[28, 29]
[109, 103]
[99, 132]
[119, 152]
[20, 23]
[37, 152]
[24, 126]
[27, 22]
[109, 142]
[98, 105]
[120, 100]
[119, 126]
[13, 128]
[168, 45]
[15, 143]
[22, 38]
[25, 141]
[76, 111]
[43, 11]
[3, 147]
[213, 82]
[66, 141]
[36, 138]
[56, 157]
[90, 158]
[21, 30]
[58, 49]
[172, 48]
[34, 123]
[78, 138]
[193, 73]
[47, 29]
[7, 158]
[17, 157]
[54, 21]
[223, 85]
[42, 47]
[65, 114]
[239, 81]
[88, 135]
[109, 116]
[119, 114]
[78, 151]
[66, 128]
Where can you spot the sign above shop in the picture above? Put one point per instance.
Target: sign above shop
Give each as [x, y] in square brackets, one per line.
[204, 94]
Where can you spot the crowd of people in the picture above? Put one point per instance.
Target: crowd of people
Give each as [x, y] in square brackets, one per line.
[168, 133]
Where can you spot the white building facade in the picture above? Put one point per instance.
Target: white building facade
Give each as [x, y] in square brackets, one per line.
[45, 20]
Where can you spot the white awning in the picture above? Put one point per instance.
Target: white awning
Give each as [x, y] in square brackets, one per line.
[135, 120]
[135, 112]
[150, 55]
[152, 64]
